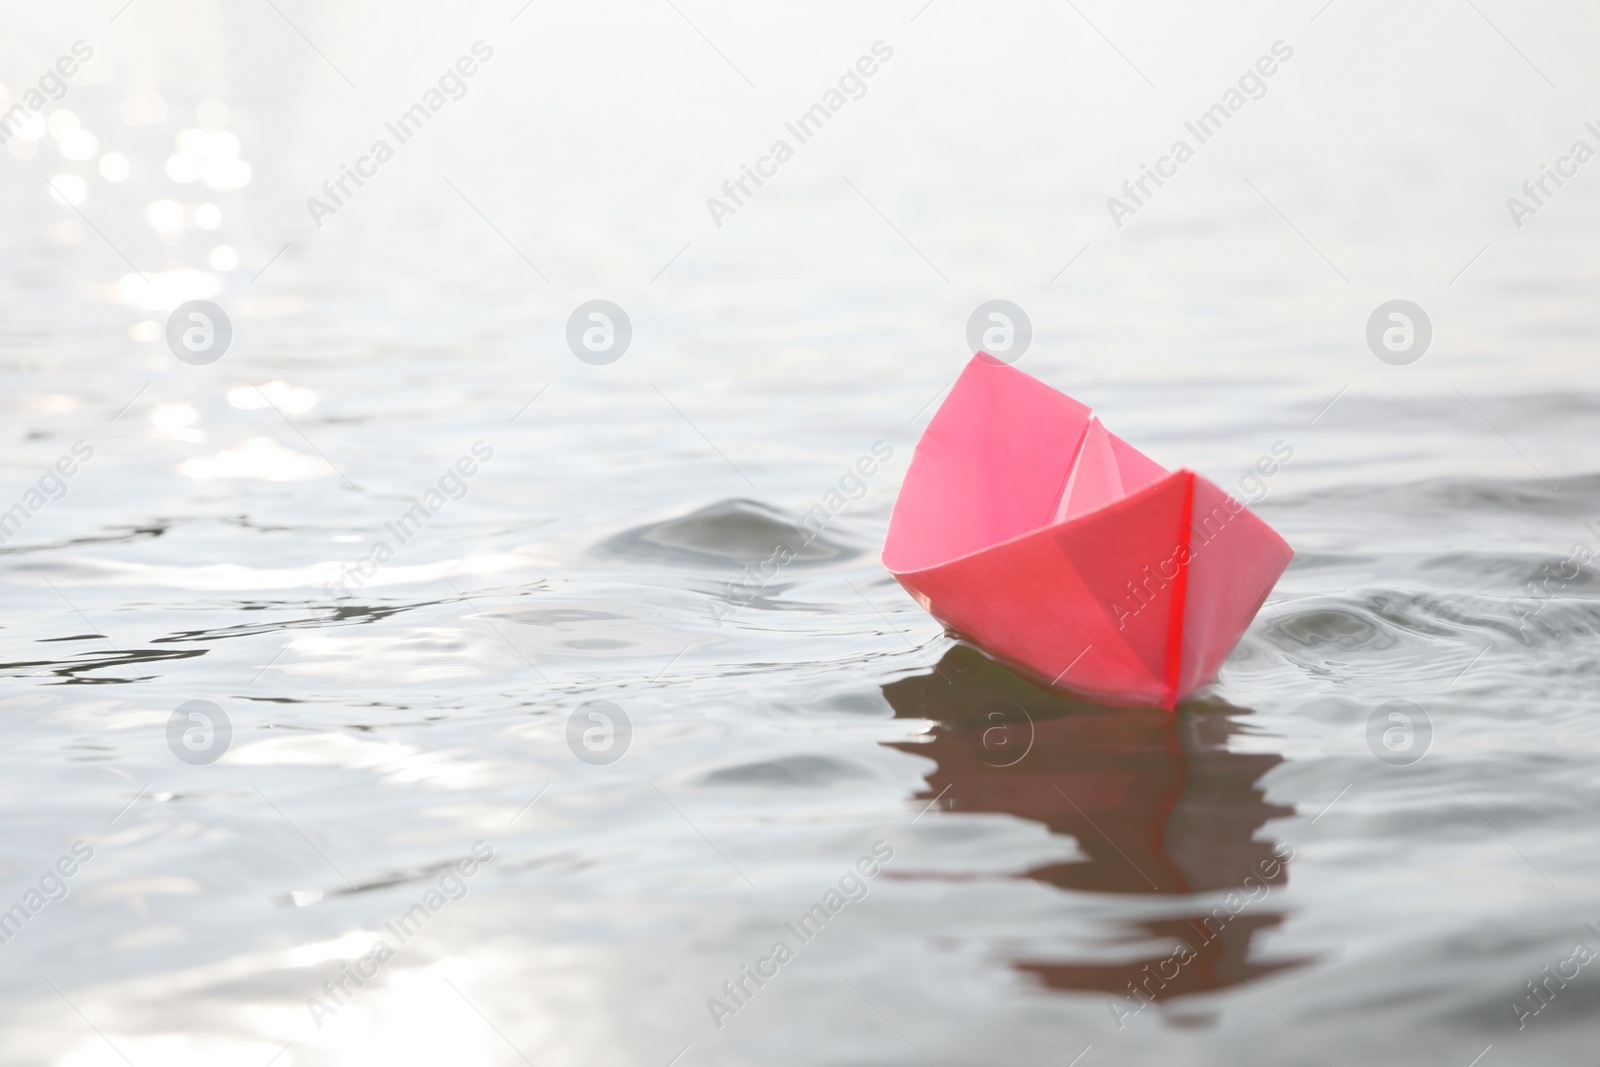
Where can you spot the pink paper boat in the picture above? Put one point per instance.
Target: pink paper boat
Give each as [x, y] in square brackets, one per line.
[1054, 545]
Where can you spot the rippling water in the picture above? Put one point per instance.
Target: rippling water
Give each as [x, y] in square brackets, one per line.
[570, 755]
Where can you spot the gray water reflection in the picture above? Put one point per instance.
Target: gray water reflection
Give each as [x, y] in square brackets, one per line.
[1158, 803]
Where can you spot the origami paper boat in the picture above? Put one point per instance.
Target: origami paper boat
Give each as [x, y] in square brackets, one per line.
[1054, 545]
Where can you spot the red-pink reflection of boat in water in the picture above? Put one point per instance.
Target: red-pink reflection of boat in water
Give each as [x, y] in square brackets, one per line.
[1156, 801]
[1026, 525]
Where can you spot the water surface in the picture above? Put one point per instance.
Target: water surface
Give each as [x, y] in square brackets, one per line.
[1042, 854]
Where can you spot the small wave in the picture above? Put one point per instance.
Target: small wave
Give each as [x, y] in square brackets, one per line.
[802, 770]
[725, 534]
[1574, 496]
[77, 671]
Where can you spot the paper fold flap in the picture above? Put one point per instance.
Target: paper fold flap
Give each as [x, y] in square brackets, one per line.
[1096, 479]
